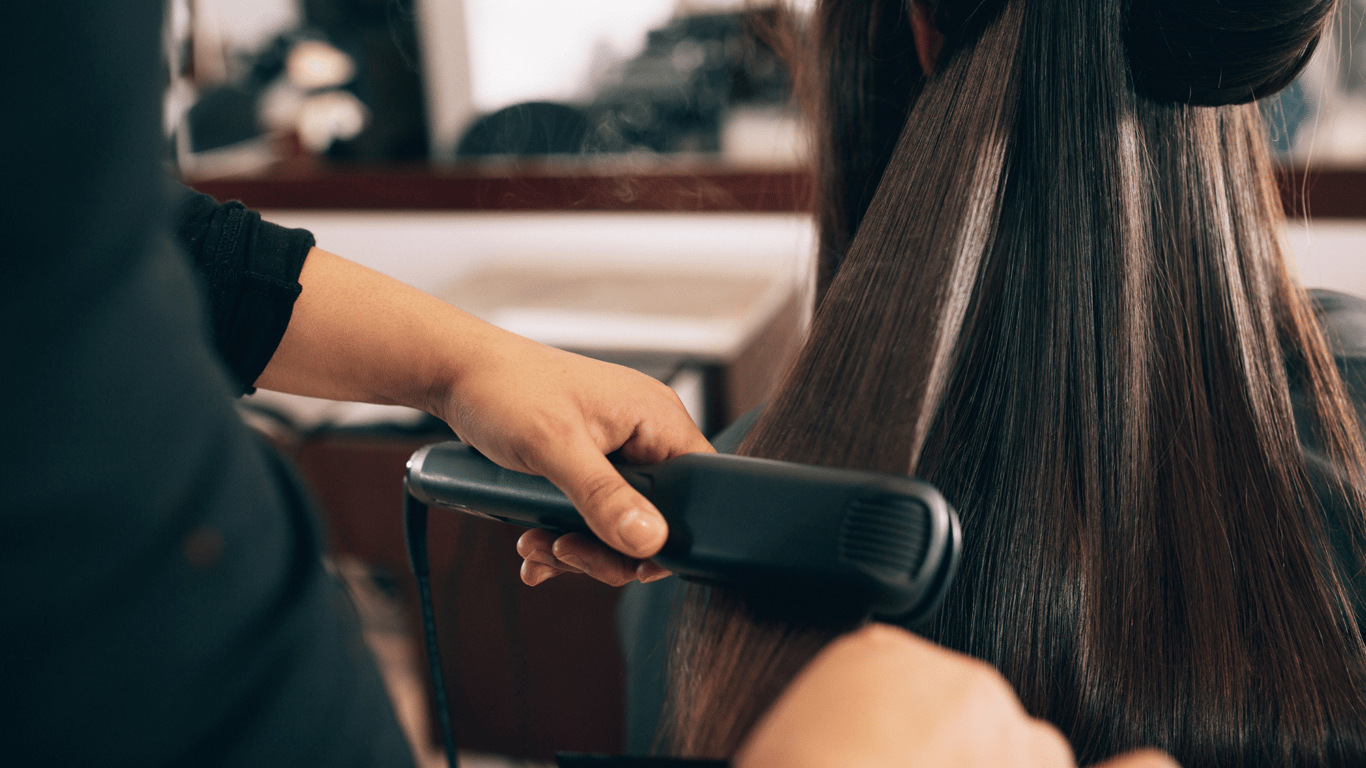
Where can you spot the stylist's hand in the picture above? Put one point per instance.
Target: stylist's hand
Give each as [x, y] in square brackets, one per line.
[882, 697]
[536, 409]
[358, 335]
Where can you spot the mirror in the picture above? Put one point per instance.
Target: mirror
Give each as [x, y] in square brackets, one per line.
[613, 85]
[447, 80]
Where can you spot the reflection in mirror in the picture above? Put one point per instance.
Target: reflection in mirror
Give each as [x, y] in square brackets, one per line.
[396, 80]
[253, 81]
[479, 81]
[624, 77]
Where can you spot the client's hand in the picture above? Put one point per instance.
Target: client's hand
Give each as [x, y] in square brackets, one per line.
[884, 697]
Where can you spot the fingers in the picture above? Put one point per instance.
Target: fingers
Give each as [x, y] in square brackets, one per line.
[548, 555]
[597, 561]
[658, 440]
[619, 516]
[534, 573]
[540, 562]
[648, 571]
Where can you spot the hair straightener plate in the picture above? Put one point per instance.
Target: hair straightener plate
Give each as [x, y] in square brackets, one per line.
[885, 542]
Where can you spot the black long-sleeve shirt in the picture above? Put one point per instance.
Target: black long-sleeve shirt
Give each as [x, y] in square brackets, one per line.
[249, 272]
[165, 602]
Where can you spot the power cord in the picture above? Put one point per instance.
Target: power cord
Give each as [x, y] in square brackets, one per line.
[415, 531]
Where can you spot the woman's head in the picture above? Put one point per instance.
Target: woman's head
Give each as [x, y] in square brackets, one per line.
[1215, 53]
[1200, 53]
[1205, 53]
[1051, 284]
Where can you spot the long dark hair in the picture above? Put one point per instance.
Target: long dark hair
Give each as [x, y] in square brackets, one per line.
[1051, 284]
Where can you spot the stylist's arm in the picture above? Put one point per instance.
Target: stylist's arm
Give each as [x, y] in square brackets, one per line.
[356, 334]
[882, 697]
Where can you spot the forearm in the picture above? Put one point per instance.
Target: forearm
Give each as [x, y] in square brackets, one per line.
[359, 335]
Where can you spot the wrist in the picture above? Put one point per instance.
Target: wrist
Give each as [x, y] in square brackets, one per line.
[461, 349]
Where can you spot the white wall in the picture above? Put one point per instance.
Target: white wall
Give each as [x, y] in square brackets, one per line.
[1330, 253]
[431, 249]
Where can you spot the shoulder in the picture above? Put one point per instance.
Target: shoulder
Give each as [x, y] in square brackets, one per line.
[1343, 319]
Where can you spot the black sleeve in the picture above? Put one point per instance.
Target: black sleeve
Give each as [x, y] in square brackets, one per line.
[165, 597]
[249, 274]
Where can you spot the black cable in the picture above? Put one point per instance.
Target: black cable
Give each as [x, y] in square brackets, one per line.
[415, 530]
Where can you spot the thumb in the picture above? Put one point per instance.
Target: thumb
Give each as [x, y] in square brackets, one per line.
[622, 518]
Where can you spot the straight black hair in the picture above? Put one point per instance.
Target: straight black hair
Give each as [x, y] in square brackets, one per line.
[1067, 306]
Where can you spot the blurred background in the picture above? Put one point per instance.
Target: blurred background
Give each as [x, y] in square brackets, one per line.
[612, 145]
[257, 81]
[623, 178]
[445, 80]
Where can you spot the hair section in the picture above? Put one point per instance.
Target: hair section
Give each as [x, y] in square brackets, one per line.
[1066, 306]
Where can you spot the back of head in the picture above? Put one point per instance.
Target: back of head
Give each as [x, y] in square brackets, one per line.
[1051, 284]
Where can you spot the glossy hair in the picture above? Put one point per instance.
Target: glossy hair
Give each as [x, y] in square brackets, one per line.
[1051, 284]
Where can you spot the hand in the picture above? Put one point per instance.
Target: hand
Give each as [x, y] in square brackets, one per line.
[884, 697]
[358, 335]
[535, 409]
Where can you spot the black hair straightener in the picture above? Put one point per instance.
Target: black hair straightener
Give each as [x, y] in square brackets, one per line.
[885, 543]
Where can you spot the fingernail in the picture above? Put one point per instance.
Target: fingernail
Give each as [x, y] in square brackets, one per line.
[574, 562]
[656, 577]
[648, 571]
[541, 556]
[535, 573]
[641, 532]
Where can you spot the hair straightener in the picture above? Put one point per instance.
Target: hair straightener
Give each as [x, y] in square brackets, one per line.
[884, 543]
